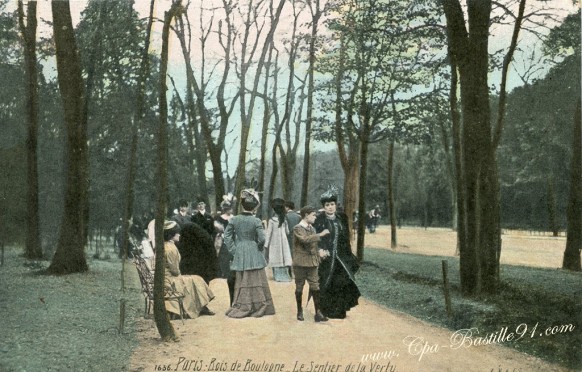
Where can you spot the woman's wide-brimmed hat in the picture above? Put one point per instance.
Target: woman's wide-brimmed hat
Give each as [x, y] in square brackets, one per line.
[169, 225]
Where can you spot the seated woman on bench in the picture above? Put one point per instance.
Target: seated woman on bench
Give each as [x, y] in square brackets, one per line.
[196, 292]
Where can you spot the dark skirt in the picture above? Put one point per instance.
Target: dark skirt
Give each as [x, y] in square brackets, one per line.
[198, 256]
[252, 296]
[339, 294]
[224, 258]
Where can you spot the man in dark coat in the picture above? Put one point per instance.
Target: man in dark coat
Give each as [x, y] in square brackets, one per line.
[183, 216]
[203, 219]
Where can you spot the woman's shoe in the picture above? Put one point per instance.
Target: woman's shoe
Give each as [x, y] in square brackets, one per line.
[206, 311]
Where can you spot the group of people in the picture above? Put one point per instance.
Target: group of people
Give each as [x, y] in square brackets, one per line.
[310, 246]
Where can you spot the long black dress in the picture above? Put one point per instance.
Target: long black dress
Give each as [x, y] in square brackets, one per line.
[224, 257]
[198, 254]
[338, 289]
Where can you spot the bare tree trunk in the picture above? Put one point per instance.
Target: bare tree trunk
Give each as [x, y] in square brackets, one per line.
[489, 226]
[161, 317]
[315, 15]
[459, 182]
[391, 204]
[571, 259]
[247, 112]
[450, 160]
[33, 249]
[469, 52]
[362, 193]
[490, 244]
[552, 221]
[201, 146]
[349, 158]
[351, 190]
[70, 253]
[265, 128]
[214, 149]
[135, 126]
[192, 133]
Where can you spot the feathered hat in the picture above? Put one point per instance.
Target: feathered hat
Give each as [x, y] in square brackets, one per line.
[250, 199]
[330, 195]
[227, 201]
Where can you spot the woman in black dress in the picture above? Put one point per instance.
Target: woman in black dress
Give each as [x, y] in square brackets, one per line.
[338, 289]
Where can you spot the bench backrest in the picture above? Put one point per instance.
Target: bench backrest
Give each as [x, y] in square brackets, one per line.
[146, 277]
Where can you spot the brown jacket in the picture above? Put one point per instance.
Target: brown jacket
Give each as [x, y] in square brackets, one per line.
[305, 244]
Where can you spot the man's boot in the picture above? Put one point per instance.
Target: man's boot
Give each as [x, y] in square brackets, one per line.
[319, 317]
[299, 299]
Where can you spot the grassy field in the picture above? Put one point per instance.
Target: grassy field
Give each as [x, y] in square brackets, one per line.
[542, 305]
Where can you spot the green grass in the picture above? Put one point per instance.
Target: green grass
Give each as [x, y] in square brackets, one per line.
[527, 296]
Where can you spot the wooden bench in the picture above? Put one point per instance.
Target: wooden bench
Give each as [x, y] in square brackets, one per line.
[146, 278]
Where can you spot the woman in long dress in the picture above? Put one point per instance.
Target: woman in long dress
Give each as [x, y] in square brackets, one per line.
[196, 292]
[277, 244]
[338, 289]
[244, 238]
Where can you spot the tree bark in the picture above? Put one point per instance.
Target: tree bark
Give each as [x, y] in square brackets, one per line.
[33, 248]
[246, 113]
[571, 259]
[348, 148]
[135, 127]
[289, 153]
[469, 52]
[194, 109]
[315, 15]
[362, 193]
[265, 129]
[161, 317]
[391, 204]
[552, 220]
[69, 256]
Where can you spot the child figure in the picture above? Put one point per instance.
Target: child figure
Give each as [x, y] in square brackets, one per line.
[306, 257]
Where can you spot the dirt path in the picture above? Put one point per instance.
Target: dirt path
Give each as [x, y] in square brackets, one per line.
[281, 343]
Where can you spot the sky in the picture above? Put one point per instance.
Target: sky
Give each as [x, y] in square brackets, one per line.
[500, 39]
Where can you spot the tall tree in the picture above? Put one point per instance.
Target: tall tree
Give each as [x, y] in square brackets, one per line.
[213, 134]
[135, 126]
[246, 58]
[379, 69]
[468, 50]
[571, 259]
[33, 247]
[316, 13]
[196, 104]
[161, 317]
[480, 246]
[70, 253]
[287, 130]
